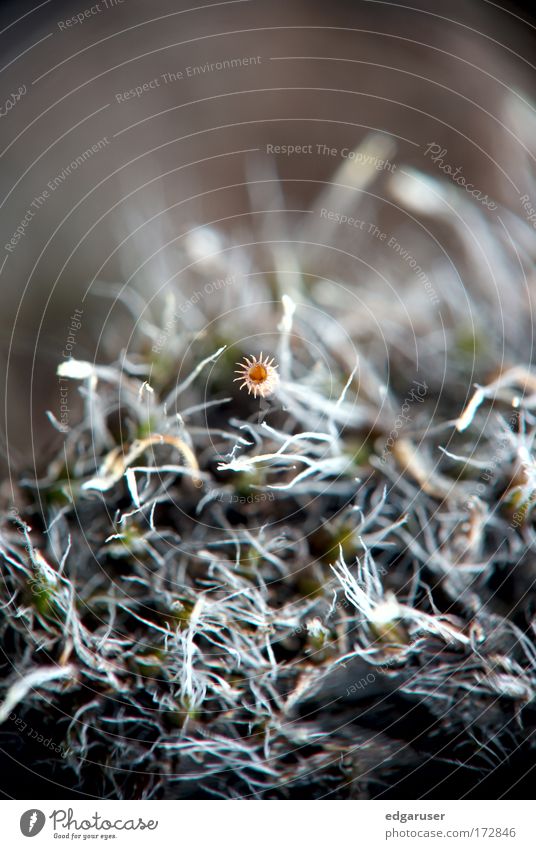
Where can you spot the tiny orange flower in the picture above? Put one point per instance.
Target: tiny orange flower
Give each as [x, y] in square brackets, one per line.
[258, 375]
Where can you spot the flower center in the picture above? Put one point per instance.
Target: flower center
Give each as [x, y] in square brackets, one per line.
[258, 373]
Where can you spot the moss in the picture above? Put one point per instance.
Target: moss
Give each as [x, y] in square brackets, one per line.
[250, 560]
[181, 615]
[470, 342]
[390, 633]
[325, 544]
[146, 428]
[163, 369]
[41, 596]
[42, 599]
[360, 451]
[130, 543]
[309, 587]
[149, 664]
[517, 505]
[243, 482]
[65, 489]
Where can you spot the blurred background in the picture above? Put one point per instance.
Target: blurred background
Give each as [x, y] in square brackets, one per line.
[128, 124]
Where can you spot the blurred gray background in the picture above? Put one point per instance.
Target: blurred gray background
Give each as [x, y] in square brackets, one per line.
[179, 154]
